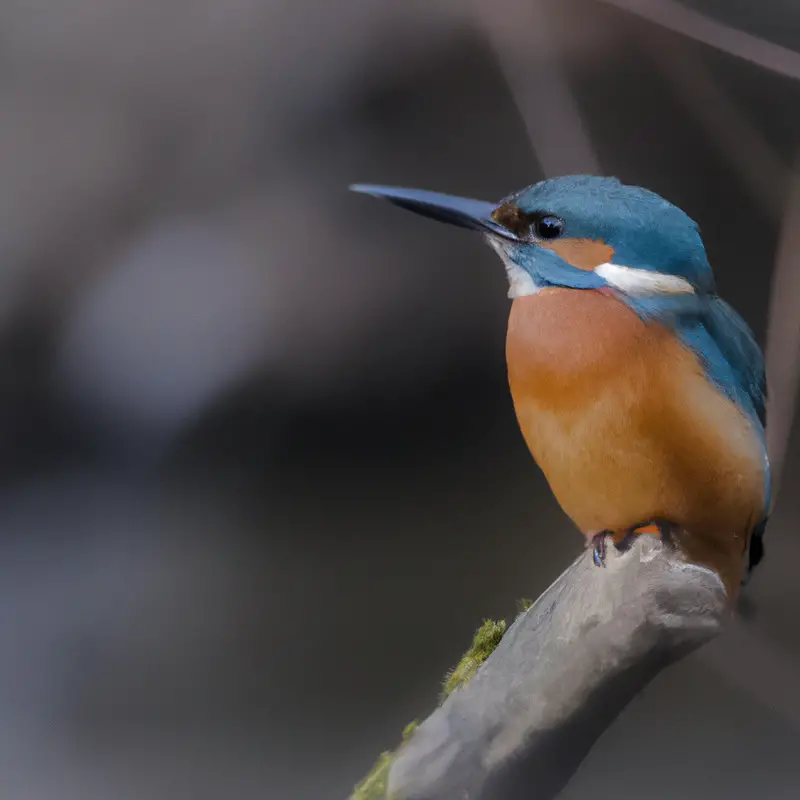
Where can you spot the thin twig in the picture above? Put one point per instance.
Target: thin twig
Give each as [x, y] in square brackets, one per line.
[740, 140]
[529, 49]
[681, 19]
[783, 334]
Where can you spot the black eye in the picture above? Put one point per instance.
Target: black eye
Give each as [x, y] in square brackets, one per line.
[548, 227]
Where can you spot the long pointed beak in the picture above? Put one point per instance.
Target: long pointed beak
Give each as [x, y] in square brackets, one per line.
[464, 212]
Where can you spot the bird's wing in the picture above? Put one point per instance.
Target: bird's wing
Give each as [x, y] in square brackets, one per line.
[743, 375]
[731, 360]
[738, 346]
[734, 362]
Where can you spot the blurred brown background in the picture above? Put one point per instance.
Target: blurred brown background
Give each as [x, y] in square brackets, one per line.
[261, 476]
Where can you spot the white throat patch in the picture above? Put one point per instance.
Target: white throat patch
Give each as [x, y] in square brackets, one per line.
[642, 282]
[520, 283]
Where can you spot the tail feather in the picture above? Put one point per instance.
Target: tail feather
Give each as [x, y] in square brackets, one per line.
[756, 552]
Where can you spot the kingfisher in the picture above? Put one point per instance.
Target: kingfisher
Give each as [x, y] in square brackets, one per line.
[639, 391]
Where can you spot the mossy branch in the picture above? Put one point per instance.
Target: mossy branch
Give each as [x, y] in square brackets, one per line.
[486, 639]
[484, 643]
[374, 786]
[525, 704]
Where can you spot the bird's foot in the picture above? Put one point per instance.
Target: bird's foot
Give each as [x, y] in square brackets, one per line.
[598, 542]
[623, 539]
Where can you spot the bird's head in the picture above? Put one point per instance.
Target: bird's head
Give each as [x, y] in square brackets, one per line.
[580, 232]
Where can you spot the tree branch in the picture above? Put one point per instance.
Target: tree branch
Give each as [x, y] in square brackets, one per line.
[561, 674]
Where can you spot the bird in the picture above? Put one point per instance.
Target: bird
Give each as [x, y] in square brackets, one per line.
[639, 391]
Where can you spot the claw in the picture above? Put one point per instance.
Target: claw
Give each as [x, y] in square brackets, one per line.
[623, 539]
[599, 548]
[659, 528]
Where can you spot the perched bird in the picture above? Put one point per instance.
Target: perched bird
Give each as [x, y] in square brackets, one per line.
[639, 391]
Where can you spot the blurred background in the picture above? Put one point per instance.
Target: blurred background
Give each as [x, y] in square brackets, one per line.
[260, 477]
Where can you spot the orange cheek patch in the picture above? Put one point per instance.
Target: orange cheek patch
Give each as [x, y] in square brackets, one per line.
[581, 253]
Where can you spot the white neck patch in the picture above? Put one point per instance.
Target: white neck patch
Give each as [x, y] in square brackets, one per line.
[642, 282]
[520, 283]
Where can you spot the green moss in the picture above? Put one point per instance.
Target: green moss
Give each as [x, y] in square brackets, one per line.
[486, 639]
[374, 786]
[409, 730]
[523, 604]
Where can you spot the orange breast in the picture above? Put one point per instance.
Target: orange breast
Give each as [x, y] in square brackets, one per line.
[624, 424]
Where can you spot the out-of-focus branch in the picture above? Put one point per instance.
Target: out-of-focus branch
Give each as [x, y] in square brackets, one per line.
[742, 143]
[680, 18]
[754, 663]
[783, 333]
[561, 674]
[527, 46]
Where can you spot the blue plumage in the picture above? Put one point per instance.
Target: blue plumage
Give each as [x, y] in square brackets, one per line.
[740, 350]
[745, 379]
